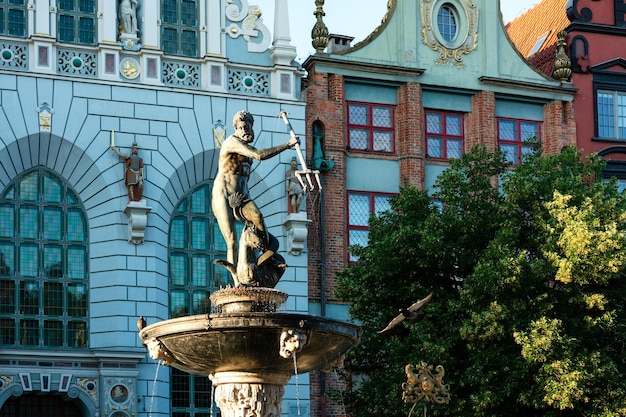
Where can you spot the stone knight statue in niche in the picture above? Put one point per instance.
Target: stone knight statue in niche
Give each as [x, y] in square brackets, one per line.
[128, 17]
[256, 261]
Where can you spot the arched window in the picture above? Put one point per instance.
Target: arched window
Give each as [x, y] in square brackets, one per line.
[13, 18]
[43, 263]
[195, 241]
[179, 27]
[76, 21]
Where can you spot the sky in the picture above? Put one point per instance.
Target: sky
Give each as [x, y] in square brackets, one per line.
[349, 17]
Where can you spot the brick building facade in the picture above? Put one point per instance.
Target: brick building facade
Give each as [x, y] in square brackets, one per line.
[395, 108]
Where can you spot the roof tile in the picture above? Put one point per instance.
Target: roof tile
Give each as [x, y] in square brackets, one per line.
[524, 31]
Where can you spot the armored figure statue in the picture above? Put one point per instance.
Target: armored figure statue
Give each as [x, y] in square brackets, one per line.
[133, 177]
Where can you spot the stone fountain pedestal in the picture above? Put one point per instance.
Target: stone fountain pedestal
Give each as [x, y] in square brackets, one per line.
[247, 349]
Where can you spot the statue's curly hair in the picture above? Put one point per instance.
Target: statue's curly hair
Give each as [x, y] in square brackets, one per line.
[243, 115]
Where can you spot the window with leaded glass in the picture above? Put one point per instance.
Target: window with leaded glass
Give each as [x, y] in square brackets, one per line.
[361, 205]
[43, 264]
[611, 109]
[195, 241]
[517, 138]
[76, 21]
[447, 22]
[371, 127]
[13, 18]
[444, 134]
[179, 27]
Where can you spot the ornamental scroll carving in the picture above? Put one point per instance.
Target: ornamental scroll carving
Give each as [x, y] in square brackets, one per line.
[466, 39]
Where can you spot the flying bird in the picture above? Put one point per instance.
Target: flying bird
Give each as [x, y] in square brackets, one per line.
[411, 314]
[141, 323]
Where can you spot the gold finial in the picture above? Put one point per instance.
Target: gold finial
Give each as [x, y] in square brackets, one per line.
[319, 33]
[562, 63]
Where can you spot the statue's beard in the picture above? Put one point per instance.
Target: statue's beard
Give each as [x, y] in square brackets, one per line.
[246, 135]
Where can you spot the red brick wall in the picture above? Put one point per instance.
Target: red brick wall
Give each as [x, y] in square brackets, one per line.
[559, 128]
[410, 142]
[480, 124]
[326, 103]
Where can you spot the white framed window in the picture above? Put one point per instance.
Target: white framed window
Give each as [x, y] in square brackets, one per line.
[611, 114]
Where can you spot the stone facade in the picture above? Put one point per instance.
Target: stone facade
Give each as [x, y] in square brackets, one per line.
[63, 104]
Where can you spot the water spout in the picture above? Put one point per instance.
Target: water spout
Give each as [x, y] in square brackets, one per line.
[156, 375]
[295, 372]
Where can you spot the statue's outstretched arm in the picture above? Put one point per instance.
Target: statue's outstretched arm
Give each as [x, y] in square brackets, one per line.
[118, 153]
[235, 146]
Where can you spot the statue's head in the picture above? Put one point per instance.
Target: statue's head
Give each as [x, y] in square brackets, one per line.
[243, 123]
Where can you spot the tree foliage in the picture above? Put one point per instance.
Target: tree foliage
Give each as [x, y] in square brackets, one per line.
[527, 270]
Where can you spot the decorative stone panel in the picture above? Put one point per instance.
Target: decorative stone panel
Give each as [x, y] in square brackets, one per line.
[13, 55]
[248, 82]
[78, 63]
[180, 74]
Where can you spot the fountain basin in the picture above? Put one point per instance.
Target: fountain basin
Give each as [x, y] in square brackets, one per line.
[249, 342]
[247, 349]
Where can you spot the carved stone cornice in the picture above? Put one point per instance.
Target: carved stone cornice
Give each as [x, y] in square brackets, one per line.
[528, 86]
[361, 66]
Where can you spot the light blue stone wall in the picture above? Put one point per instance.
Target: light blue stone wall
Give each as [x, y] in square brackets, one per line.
[174, 130]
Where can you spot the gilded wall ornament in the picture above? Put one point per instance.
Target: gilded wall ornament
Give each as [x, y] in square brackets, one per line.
[456, 35]
[45, 117]
[129, 68]
[252, 29]
[219, 133]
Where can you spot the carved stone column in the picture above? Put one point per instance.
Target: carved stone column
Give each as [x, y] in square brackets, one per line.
[242, 394]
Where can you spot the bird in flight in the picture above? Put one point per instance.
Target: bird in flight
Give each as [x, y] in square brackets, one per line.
[411, 314]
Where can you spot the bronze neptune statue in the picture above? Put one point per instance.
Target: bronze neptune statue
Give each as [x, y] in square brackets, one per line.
[256, 261]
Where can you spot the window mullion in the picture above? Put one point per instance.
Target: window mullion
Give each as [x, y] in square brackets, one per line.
[615, 115]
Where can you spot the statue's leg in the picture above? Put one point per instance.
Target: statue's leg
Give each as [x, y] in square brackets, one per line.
[226, 222]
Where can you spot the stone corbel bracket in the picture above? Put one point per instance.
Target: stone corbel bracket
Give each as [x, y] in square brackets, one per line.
[296, 230]
[137, 213]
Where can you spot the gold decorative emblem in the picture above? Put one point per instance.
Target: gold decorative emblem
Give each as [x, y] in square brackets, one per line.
[465, 40]
[424, 385]
[129, 68]
[45, 117]
[219, 132]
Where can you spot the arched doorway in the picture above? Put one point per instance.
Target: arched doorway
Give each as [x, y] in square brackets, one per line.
[33, 405]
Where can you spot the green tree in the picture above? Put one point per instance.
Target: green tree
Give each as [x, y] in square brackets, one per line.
[527, 272]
